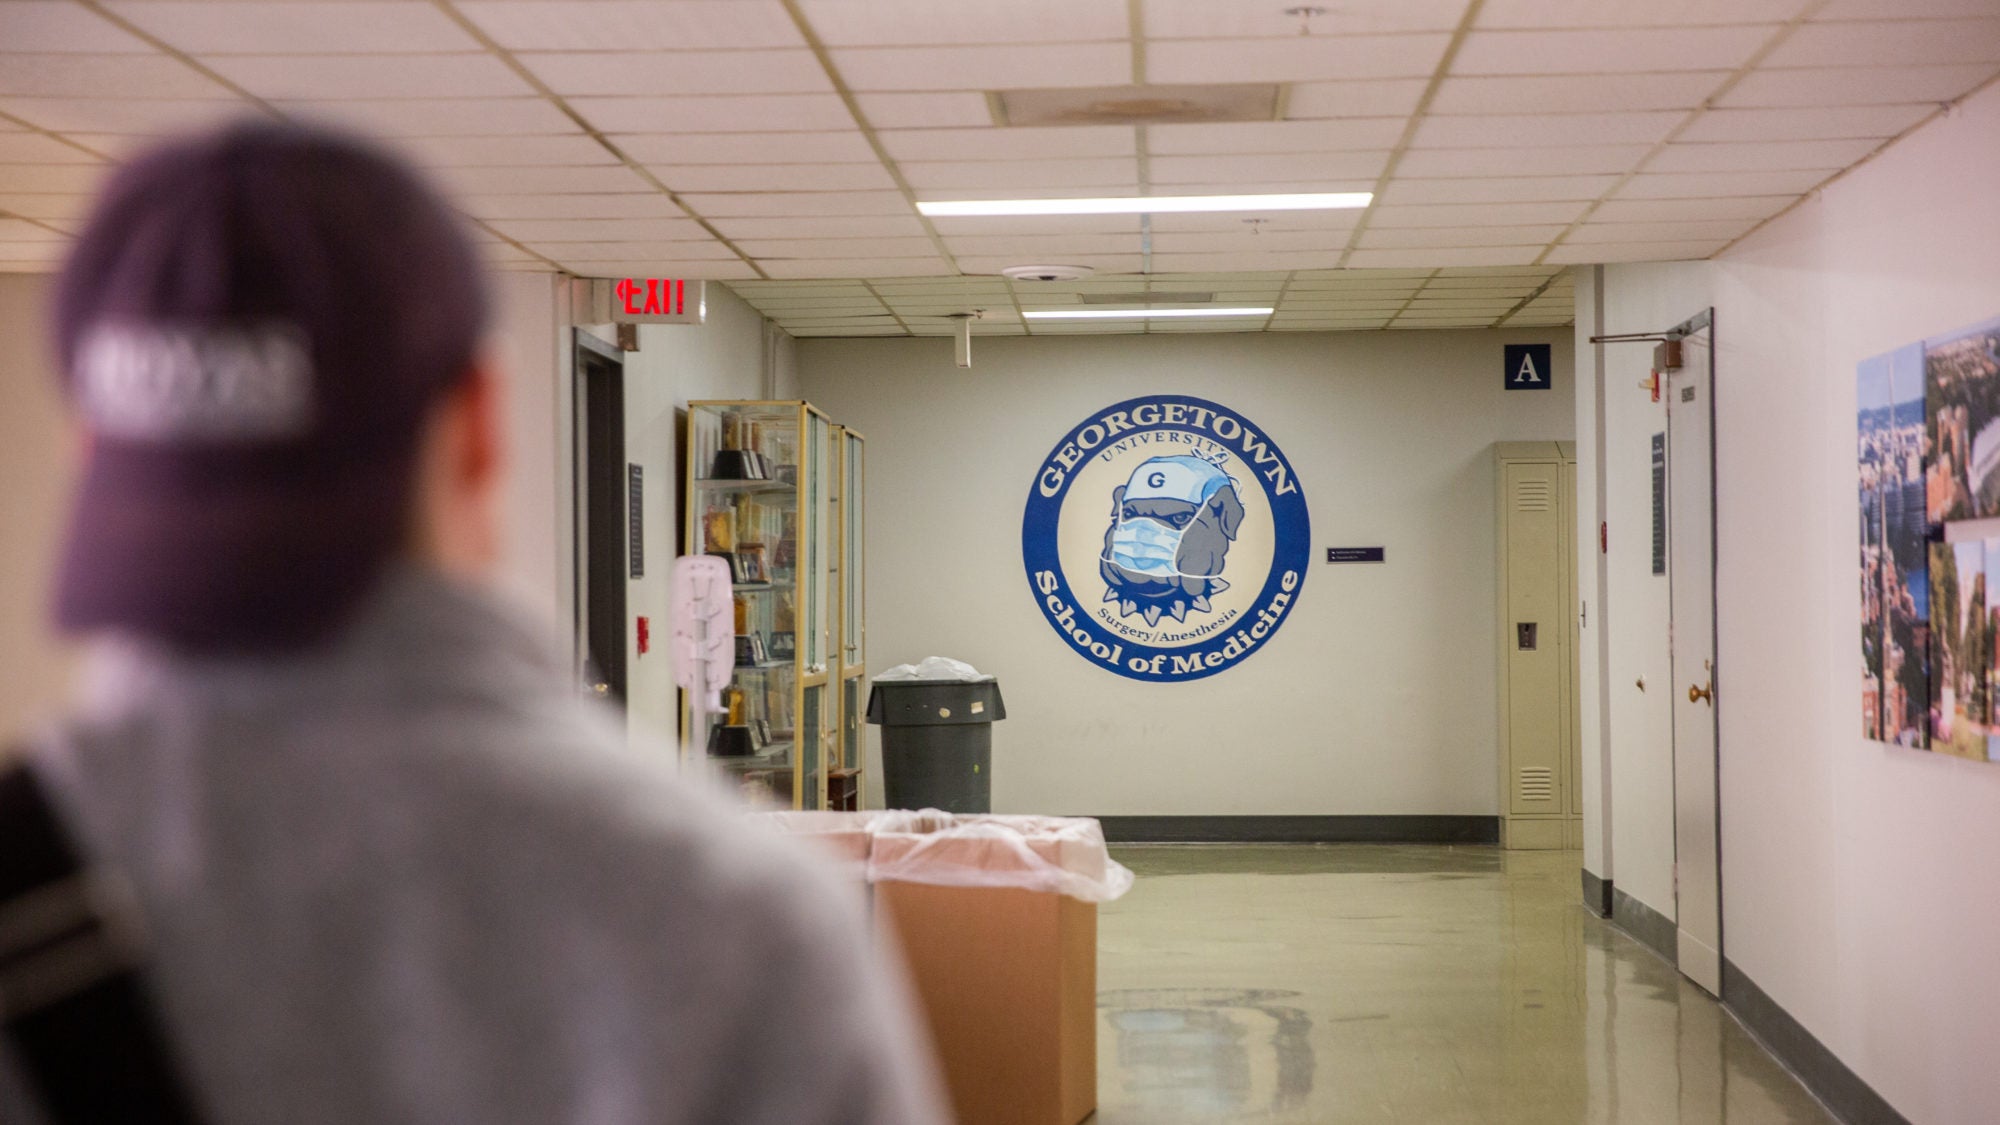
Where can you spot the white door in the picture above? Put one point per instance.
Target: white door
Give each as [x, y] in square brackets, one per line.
[1691, 567]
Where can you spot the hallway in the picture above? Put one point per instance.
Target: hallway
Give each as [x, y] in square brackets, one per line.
[1392, 983]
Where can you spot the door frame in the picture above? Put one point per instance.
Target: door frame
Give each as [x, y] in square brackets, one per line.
[598, 385]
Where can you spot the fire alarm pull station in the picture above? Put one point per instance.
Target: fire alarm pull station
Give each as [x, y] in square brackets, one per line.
[645, 635]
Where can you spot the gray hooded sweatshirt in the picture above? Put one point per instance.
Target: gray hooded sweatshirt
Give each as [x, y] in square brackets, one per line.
[414, 878]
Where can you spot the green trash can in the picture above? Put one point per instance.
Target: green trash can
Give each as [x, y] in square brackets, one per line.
[937, 742]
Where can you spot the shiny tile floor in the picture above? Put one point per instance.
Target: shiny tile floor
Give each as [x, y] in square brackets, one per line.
[1390, 983]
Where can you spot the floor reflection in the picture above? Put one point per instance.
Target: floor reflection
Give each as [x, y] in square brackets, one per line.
[1391, 983]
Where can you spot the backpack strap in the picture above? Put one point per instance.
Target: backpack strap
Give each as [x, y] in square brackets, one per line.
[73, 1009]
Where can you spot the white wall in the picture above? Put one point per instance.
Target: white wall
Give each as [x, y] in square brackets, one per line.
[1858, 880]
[1378, 694]
[35, 479]
[736, 355]
[529, 344]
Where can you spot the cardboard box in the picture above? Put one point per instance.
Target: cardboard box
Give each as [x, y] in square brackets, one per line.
[1007, 978]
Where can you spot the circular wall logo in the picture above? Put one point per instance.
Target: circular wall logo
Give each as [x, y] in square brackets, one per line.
[1166, 538]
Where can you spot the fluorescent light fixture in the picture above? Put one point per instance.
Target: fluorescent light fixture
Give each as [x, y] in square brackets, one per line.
[1150, 204]
[1134, 314]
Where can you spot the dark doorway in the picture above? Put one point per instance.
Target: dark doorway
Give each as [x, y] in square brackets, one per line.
[600, 375]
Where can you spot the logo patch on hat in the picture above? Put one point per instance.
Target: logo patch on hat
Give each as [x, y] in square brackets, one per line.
[1166, 538]
[169, 383]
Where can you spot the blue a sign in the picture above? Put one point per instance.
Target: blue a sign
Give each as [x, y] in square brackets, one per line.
[1166, 538]
[1527, 367]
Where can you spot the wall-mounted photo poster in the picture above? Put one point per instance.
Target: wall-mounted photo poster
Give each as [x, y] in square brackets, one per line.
[1993, 644]
[1962, 423]
[1961, 649]
[1895, 603]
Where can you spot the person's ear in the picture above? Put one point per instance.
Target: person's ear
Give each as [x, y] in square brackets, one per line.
[1228, 512]
[476, 403]
[1117, 501]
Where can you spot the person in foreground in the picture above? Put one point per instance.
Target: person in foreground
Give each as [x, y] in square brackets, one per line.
[391, 866]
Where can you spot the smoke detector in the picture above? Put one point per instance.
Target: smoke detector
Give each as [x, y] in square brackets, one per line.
[1046, 273]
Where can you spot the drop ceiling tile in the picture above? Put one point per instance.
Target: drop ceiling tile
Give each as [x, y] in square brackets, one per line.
[45, 206]
[48, 253]
[343, 28]
[1531, 130]
[1364, 301]
[1386, 98]
[679, 149]
[337, 77]
[797, 204]
[50, 179]
[1270, 222]
[1701, 231]
[713, 271]
[51, 75]
[1373, 239]
[1489, 162]
[851, 226]
[1633, 252]
[35, 148]
[1608, 51]
[1043, 248]
[1814, 87]
[1206, 19]
[985, 67]
[1294, 59]
[1039, 224]
[774, 177]
[868, 23]
[474, 152]
[1761, 156]
[1102, 263]
[1596, 13]
[1712, 185]
[650, 206]
[1474, 283]
[62, 27]
[635, 25]
[440, 117]
[1479, 256]
[625, 250]
[147, 116]
[1342, 324]
[1475, 214]
[1919, 43]
[1691, 211]
[20, 230]
[1895, 9]
[668, 73]
[1805, 123]
[1238, 260]
[1379, 133]
[739, 113]
[831, 333]
[1030, 143]
[611, 178]
[1575, 93]
[1499, 189]
[945, 110]
[599, 230]
[1243, 243]
[855, 267]
[1119, 173]
[844, 248]
[1252, 170]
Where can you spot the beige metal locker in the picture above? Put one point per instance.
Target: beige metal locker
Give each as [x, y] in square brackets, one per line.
[1539, 722]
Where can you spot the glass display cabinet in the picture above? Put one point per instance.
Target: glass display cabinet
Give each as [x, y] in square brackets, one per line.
[761, 477]
[850, 572]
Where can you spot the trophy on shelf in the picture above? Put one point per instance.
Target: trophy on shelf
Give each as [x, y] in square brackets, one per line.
[733, 461]
[736, 738]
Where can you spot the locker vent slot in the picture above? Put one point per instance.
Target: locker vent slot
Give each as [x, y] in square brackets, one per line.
[1531, 496]
[1538, 783]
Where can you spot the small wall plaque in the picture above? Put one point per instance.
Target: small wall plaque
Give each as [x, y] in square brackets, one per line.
[1354, 554]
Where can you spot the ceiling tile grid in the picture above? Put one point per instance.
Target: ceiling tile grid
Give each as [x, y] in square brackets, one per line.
[774, 144]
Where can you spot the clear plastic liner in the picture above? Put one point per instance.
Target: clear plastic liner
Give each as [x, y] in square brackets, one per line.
[1059, 854]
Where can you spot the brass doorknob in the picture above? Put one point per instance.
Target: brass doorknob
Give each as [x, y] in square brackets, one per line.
[1697, 694]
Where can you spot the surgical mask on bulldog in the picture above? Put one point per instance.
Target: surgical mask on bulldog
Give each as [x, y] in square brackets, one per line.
[1143, 545]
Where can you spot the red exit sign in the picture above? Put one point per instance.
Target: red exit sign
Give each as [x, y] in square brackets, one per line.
[641, 300]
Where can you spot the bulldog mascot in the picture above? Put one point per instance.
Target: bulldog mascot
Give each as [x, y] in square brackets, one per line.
[1171, 526]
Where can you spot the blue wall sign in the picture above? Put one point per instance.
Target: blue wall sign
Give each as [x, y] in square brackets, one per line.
[1528, 367]
[1166, 538]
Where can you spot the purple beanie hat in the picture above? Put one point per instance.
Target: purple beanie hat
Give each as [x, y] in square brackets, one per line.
[252, 329]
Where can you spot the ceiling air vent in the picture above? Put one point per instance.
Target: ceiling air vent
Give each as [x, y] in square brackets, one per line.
[1137, 105]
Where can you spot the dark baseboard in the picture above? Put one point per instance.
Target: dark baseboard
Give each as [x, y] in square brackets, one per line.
[1596, 894]
[1843, 1091]
[1301, 829]
[1649, 927]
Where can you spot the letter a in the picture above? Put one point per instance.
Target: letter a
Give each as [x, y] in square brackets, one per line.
[1527, 373]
